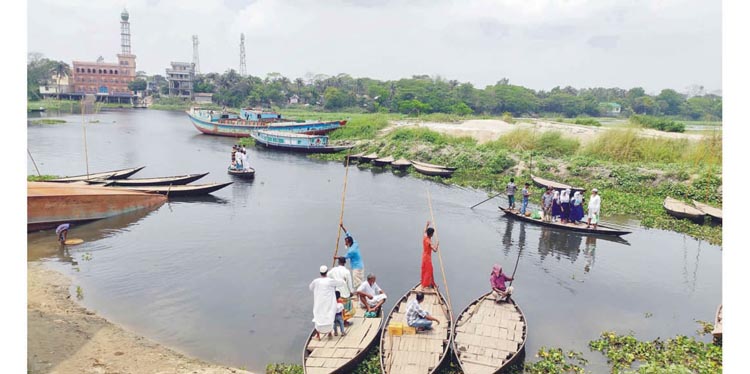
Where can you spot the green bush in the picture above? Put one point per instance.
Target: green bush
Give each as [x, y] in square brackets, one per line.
[587, 121]
[658, 123]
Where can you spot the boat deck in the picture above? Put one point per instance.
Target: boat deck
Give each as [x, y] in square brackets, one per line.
[327, 355]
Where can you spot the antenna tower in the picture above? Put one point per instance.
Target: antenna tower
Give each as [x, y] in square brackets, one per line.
[196, 59]
[243, 66]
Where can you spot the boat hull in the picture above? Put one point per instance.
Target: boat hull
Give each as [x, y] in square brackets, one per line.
[243, 131]
[301, 148]
[114, 174]
[244, 174]
[165, 181]
[433, 172]
[178, 191]
[601, 230]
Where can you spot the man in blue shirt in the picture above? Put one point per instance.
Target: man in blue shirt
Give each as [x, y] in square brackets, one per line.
[355, 258]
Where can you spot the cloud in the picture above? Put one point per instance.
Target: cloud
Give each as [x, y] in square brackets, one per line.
[604, 41]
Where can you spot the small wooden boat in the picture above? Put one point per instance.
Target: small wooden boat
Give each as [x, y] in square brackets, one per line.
[368, 157]
[419, 353]
[384, 161]
[600, 229]
[355, 157]
[296, 142]
[37, 110]
[424, 164]
[433, 171]
[714, 213]
[186, 190]
[341, 354]
[489, 336]
[114, 174]
[401, 164]
[162, 181]
[718, 324]
[544, 183]
[248, 173]
[679, 209]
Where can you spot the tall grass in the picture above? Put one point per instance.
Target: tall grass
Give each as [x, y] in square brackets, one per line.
[361, 127]
[626, 145]
[550, 143]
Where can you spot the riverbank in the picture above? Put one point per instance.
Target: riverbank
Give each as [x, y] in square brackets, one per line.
[64, 337]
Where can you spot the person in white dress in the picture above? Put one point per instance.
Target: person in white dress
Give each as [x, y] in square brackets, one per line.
[371, 296]
[595, 204]
[324, 302]
[340, 272]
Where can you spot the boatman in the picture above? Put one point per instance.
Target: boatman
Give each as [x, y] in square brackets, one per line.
[62, 232]
[595, 204]
[324, 302]
[510, 190]
[355, 258]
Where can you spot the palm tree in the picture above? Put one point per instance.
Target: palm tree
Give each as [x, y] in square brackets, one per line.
[59, 69]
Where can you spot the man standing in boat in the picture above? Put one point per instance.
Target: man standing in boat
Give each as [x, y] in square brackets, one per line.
[355, 258]
[324, 302]
[547, 199]
[595, 205]
[510, 190]
[340, 272]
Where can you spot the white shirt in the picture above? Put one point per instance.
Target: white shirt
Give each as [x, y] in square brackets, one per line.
[324, 300]
[343, 274]
[339, 308]
[365, 287]
[595, 203]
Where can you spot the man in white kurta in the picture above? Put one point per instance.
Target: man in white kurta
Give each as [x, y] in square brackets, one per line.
[595, 204]
[324, 302]
[370, 293]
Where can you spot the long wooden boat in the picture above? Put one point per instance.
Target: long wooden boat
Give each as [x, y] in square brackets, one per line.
[401, 164]
[114, 174]
[433, 171]
[368, 157]
[423, 352]
[296, 142]
[600, 229]
[186, 190]
[714, 213]
[248, 173]
[51, 204]
[424, 164]
[679, 209]
[490, 336]
[161, 181]
[718, 324]
[213, 124]
[544, 183]
[355, 157]
[341, 354]
[383, 161]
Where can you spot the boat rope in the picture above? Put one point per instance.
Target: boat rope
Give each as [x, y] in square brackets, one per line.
[34, 162]
[343, 199]
[440, 257]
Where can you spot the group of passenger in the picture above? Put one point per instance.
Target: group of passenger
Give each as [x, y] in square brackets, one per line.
[239, 157]
[559, 204]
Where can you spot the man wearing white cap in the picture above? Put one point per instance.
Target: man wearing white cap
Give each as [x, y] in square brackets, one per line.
[324, 302]
[595, 204]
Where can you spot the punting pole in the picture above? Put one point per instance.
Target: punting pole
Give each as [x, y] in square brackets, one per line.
[483, 201]
[442, 269]
[85, 145]
[341, 217]
[515, 267]
[34, 162]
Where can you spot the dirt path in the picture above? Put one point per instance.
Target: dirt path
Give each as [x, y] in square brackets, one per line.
[64, 337]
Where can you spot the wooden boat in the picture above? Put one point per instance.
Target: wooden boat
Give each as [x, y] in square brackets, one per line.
[355, 157]
[175, 191]
[401, 164]
[162, 181]
[600, 229]
[248, 173]
[423, 352]
[248, 121]
[114, 174]
[384, 161]
[341, 354]
[52, 204]
[37, 110]
[718, 324]
[544, 183]
[714, 213]
[433, 171]
[368, 157]
[489, 336]
[296, 142]
[424, 164]
[679, 209]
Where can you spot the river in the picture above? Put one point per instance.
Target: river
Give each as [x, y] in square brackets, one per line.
[224, 278]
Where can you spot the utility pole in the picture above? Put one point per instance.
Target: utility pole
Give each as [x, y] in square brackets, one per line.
[196, 59]
[243, 66]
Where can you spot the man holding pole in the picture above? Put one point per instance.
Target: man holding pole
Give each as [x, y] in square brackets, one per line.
[355, 258]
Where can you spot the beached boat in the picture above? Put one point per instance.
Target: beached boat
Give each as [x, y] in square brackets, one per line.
[297, 142]
[114, 174]
[490, 336]
[718, 324]
[433, 171]
[714, 213]
[355, 157]
[419, 353]
[248, 173]
[161, 181]
[544, 183]
[368, 157]
[223, 124]
[383, 161]
[679, 209]
[341, 354]
[401, 164]
[600, 229]
[51, 204]
[175, 191]
[424, 164]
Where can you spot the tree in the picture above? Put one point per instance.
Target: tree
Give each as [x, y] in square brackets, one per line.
[137, 85]
[59, 70]
[670, 101]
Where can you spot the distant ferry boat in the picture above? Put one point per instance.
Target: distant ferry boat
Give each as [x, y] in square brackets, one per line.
[214, 122]
[296, 142]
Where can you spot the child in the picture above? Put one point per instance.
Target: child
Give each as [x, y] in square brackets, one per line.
[339, 321]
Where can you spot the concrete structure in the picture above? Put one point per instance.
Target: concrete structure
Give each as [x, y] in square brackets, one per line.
[50, 89]
[108, 80]
[613, 109]
[243, 65]
[294, 99]
[180, 78]
[196, 59]
[203, 98]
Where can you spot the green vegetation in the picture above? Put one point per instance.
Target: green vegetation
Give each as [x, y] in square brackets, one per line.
[40, 178]
[587, 121]
[47, 121]
[662, 124]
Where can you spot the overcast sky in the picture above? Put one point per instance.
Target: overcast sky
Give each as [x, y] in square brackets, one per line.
[540, 44]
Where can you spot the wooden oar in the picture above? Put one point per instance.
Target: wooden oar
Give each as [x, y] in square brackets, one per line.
[341, 217]
[440, 257]
[484, 201]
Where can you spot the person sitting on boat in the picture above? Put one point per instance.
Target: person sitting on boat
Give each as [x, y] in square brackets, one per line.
[525, 201]
[594, 206]
[565, 205]
[355, 258]
[324, 302]
[497, 282]
[340, 272]
[62, 232]
[547, 204]
[556, 211]
[416, 316]
[510, 190]
[371, 296]
[428, 280]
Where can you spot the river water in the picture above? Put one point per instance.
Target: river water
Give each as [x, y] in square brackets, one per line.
[224, 278]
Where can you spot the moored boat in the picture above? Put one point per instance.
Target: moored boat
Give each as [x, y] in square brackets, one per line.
[433, 171]
[714, 213]
[248, 173]
[679, 209]
[51, 204]
[383, 161]
[544, 183]
[718, 330]
[233, 125]
[368, 157]
[296, 142]
[355, 157]
[175, 191]
[160, 181]
[114, 174]
[401, 164]
[428, 165]
[419, 353]
[489, 336]
[341, 354]
[600, 229]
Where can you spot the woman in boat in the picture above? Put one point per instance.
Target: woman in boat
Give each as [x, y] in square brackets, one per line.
[556, 211]
[428, 280]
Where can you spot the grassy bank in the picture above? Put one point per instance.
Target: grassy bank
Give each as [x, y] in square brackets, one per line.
[70, 106]
[47, 121]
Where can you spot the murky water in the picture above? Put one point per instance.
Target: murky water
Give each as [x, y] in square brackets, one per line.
[224, 278]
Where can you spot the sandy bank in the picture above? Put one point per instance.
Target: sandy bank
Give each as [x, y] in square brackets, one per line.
[64, 337]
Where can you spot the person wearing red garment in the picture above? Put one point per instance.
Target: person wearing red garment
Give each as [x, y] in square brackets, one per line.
[428, 280]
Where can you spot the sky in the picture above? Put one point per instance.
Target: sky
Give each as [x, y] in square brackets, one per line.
[540, 44]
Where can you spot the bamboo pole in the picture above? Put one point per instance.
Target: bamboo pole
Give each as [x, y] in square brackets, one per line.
[341, 217]
[85, 144]
[34, 162]
[440, 257]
